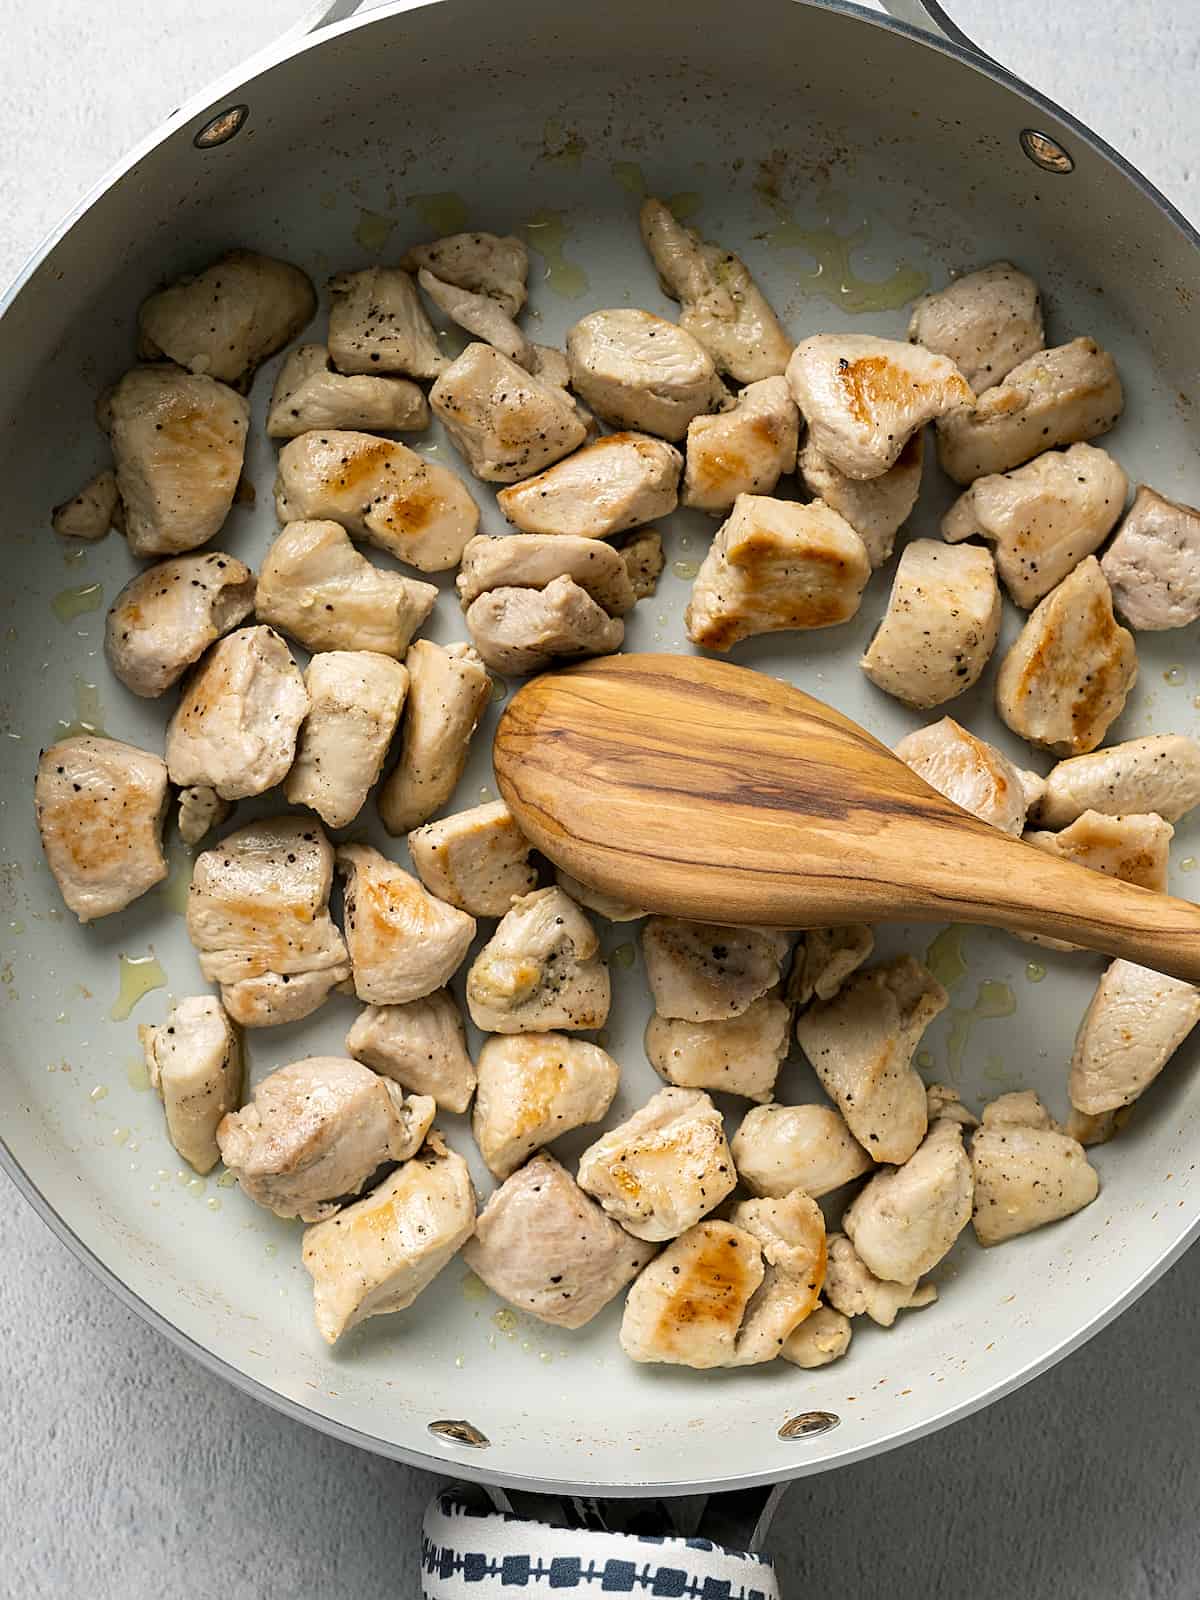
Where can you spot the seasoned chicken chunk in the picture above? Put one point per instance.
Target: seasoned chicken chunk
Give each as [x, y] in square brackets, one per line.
[908, 1217]
[422, 1045]
[773, 565]
[486, 263]
[854, 1290]
[1159, 773]
[620, 481]
[1067, 676]
[1056, 397]
[1021, 1108]
[1153, 565]
[534, 560]
[533, 1088]
[477, 860]
[941, 624]
[178, 440]
[722, 305]
[481, 316]
[544, 1246]
[687, 1306]
[167, 616]
[705, 972]
[642, 553]
[1043, 518]
[194, 1059]
[448, 687]
[861, 1045]
[404, 942]
[100, 807]
[596, 900]
[541, 969]
[380, 491]
[201, 809]
[354, 703]
[985, 322]
[778, 1149]
[791, 1235]
[739, 1055]
[875, 508]
[1134, 1024]
[236, 723]
[90, 513]
[378, 324]
[315, 1132]
[311, 393]
[229, 318]
[825, 958]
[378, 1254]
[504, 421]
[1098, 1129]
[743, 451]
[969, 771]
[1133, 848]
[943, 1103]
[636, 370]
[316, 586]
[822, 1337]
[517, 631]
[1026, 1177]
[863, 397]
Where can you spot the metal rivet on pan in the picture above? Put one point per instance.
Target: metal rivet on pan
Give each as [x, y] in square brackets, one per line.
[809, 1424]
[461, 1433]
[1046, 152]
[221, 128]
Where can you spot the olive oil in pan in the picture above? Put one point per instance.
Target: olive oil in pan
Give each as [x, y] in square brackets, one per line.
[139, 975]
[546, 233]
[71, 603]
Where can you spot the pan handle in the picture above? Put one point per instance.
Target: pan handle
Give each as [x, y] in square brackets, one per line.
[929, 16]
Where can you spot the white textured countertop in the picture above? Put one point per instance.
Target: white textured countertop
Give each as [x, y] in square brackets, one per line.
[129, 1472]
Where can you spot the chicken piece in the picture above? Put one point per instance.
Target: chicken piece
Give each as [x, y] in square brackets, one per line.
[201, 809]
[779, 1149]
[1133, 848]
[404, 942]
[229, 318]
[316, 1131]
[1021, 1108]
[178, 440]
[705, 972]
[316, 586]
[100, 807]
[518, 631]
[354, 703]
[544, 1246]
[596, 900]
[723, 307]
[635, 370]
[235, 726]
[969, 771]
[1153, 565]
[822, 1337]
[311, 393]
[92, 512]
[378, 1254]
[540, 970]
[1134, 1024]
[854, 1290]
[194, 1059]
[534, 560]
[943, 1105]
[642, 553]
[620, 481]
[824, 958]
[907, 1218]
[448, 688]
[861, 1045]
[773, 565]
[504, 421]
[258, 915]
[497, 266]
[421, 1045]
[532, 1089]
[791, 1235]
[875, 508]
[477, 860]
[739, 1055]
[863, 397]
[167, 616]
[1056, 397]
[686, 1308]
[661, 1169]
[743, 451]
[381, 492]
[1026, 1177]
[378, 324]
[482, 317]
[985, 322]
[1043, 518]
[1071, 668]
[1160, 773]
[1098, 1129]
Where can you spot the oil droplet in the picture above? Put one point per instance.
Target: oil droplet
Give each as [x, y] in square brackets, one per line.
[1174, 676]
[100, 1092]
[623, 955]
[924, 1059]
[485, 794]
[16, 927]
[564, 145]
[945, 959]
[629, 175]
[444, 212]
[89, 713]
[1188, 864]
[72, 558]
[173, 890]
[459, 1362]
[685, 569]
[183, 1177]
[505, 1320]
[139, 975]
[119, 1135]
[270, 1249]
[71, 603]
[1034, 971]
[499, 690]
[683, 205]
[373, 230]
[137, 1073]
[473, 1287]
[834, 278]
[213, 1203]
[226, 1180]
[195, 1187]
[546, 233]
[327, 200]
[992, 1000]
[545, 1356]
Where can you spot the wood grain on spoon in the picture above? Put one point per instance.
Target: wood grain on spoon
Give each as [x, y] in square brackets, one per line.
[705, 790]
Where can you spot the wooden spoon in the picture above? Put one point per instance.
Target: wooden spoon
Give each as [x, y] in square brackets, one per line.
[707, 791]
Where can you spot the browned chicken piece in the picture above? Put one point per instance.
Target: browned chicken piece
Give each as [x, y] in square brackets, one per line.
[854, 1290]
[378, 324]
[824, 958]
[791, 1236]
[941, 624]
[605, 905]
[743, 451]
[311, 393]
[619, 482]
[544, 1246]
[194, 1060]
[1067, 676]
[201, 809]
[317, 587]
[100, 806]
[178, 440]
[985, 322]
[486, 263]
[775, 565]
[687, 1306]
[875, 508]
[705, 972]
[636, 370]
[1025, 1177]
[779, 1149]
[908, 1217]
[642, 553]
[1153, 565]
[821, 1338]
[477, 860]
[1133, 848]
[1158, 773]
[92, 512]
[1134, 1024]
[969, 771]
[505, 422]
[448, 688]
[1020, 1108]
[533, 1088]
[482, 317]
[354, 703]
[534, 560]
[1098, 1129]
[422, 1045]
[739, 1055]
[404, 942]
[166, 617]
[1056, 397]
[540, 970]
[1043, 518]
[518, 631]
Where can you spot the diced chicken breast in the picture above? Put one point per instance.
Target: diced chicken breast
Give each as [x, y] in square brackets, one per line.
[378, 324]
[1159, 773]
[687, 1306]
[504, 421]
[941, 624]
[100, 807]
[969, 771]
[635, 370]
[378, 1254]
[875, 508]
[201, 809]
[596, 900]
[540, 970]
[92, 512]
[311, 393]
[986, 322]
[908, 1217]
[1153, 565]
[791, 1235]
[642, 553]
[1067, 676]
[1134, 1024]
[534, 560]
[620, 481]
[861, 1045]
[743, 451]
[477, 860]
[167, 616]
[518, 631]
[821, 1338]
[448, 688]
[481, 316]
[487, 263]
[739, 1055]
[404, 942]
[1098, 1129]
[422, 1045]
[354, 703]
[775, 564]
[1056, 397]
[533, 1088]
[1021, 1108]
[824, 958]
[778, 1149]
[943, 1104]
[1133, 848]
[659, 1171]
[705, 972]
[194, 1059]
[1026, 1177]
[854, 1290]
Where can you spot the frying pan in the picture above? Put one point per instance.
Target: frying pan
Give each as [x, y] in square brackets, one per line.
[789, 129]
